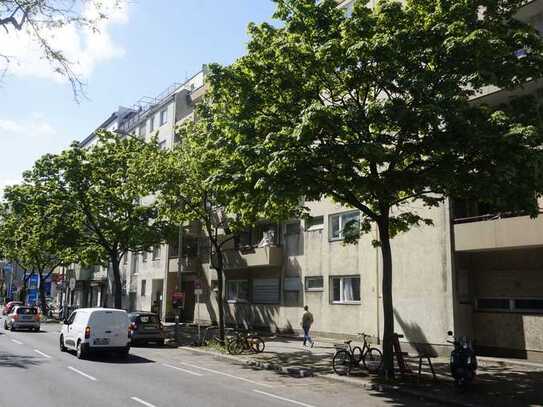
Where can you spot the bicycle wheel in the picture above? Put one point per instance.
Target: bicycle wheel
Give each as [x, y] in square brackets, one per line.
[257, 344]
[235, 347]
[342, 363]
[357, 354]
[373, 360]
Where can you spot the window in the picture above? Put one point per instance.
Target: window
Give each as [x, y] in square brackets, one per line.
[496, 304]
[156, 252]
[152, 123]
[163, 117]
[342, 222]
[143, 287]
[314, 283]
[266, 291]
[71, 319]
[141, 130]
[314, 223]
[520, 305]
[345, 290]
[125, 258]
[529, 304]
[144, 255]
[237, 290]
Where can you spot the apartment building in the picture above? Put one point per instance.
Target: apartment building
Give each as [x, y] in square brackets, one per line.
[474, 271]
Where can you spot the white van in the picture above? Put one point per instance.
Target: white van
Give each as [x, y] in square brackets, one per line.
[96, 329]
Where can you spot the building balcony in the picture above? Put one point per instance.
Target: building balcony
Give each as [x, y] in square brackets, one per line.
[494, 233]
[493, 96]
[529, 10]
[189, 264]
[243, 258]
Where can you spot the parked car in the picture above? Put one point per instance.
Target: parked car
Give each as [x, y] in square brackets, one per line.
[23, 318]
[145, 327]
[9, 306]
[90, 330]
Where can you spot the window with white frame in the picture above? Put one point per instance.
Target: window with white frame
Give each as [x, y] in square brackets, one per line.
[141, 130]
[314, 283]
[237, 290]
[266, 291]
[163, 117]
[152, 123]
[341, 222]
[156, 252]
[345, 290]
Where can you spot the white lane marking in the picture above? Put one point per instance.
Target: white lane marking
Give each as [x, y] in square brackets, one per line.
[226, 374]
[41, 353]
[142, 402]
[73, 369]
[182, 370]
[16, 341]
[283, 398]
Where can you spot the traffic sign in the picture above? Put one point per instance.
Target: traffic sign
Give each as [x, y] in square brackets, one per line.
[72, 283]
[198, 291]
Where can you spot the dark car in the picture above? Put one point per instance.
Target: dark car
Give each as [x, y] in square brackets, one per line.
[10, 305]
[145, 327]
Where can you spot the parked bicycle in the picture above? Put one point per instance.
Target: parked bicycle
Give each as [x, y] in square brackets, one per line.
[346, 357]
[246, 342]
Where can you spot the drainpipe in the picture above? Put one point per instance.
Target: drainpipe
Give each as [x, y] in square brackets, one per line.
[377, 291]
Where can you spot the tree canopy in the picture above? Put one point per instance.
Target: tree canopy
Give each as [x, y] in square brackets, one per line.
[374, 110]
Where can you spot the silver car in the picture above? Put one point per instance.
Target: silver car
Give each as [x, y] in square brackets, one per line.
[23, 318]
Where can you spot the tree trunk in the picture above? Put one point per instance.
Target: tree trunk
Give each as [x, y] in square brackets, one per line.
[220, 294]
[388, 309]
[43, 303]
[117, 286]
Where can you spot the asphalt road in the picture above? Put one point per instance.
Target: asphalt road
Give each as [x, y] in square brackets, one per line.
[33, 372]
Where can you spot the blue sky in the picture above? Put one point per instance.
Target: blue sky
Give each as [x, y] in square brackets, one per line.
[140, 51]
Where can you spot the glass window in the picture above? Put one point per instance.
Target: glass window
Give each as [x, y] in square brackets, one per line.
[342, 222]
[142, 130]
[152, 123]
[314, 223]
[237, 290]
[163, 117]
[151, 320]
[314, 284]
[144, 255]
[493, 304]
[345, 290]
[293, 229]
[529, 304]
[27, 311]
[143, 287]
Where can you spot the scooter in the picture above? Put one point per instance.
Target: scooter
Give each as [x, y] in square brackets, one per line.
[463, 361]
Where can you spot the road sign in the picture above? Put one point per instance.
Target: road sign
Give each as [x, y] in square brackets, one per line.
[72, 283]
[198, 291]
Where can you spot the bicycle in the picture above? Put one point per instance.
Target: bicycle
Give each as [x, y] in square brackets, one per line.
[246, 342]
[347, 357]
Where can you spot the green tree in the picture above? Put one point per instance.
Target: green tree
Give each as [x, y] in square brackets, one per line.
[34, 232]
[109, 188]
[373, 111]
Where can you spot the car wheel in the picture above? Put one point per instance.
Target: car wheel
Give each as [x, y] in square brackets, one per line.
[12, 328]
[5, 325]
[81, 351]
[62, 347]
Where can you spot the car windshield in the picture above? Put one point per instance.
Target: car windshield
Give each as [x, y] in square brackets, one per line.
[149, 320]
[31, 311]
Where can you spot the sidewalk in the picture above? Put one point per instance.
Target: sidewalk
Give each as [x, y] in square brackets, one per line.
[500, 382]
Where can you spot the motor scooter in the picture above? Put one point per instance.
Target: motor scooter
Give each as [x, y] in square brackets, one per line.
[463, 362]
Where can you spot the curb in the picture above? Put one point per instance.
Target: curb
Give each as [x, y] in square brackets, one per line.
[301, 372]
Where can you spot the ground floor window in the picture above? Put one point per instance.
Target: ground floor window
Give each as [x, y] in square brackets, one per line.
[345, 290]
[314, 283]
[521, 305]
[143, 287]
[237, 290]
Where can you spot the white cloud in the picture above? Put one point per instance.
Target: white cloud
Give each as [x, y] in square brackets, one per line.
[36, 127]
[84, 47]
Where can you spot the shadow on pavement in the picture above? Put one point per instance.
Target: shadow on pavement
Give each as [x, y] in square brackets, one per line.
[19, 361]
[112, 358]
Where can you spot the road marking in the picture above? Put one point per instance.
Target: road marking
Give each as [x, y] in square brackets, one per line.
[41, 353]
[73, 369]
[226, 374]
[283, 398]
[142, 402]
[16, 341]
[182, 370]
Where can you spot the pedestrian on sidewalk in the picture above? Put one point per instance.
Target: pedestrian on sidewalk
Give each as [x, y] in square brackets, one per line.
[307, 321]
